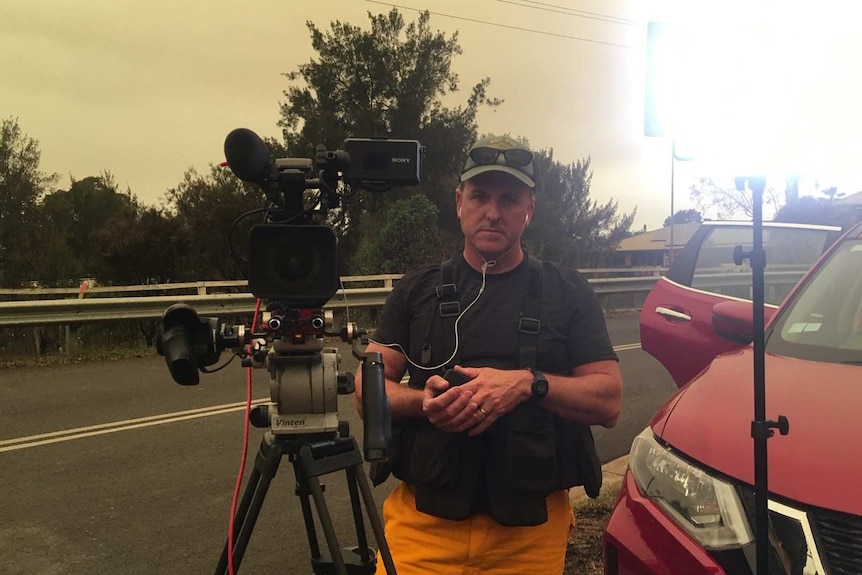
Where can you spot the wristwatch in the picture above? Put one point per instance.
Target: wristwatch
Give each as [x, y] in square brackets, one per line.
[539, 389]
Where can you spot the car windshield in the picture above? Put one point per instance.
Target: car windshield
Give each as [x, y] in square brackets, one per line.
[823, 322]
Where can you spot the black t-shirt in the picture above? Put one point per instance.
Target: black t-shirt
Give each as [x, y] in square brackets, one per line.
[573, 330]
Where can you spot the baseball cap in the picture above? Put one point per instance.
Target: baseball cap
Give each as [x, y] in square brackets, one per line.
[500, 154]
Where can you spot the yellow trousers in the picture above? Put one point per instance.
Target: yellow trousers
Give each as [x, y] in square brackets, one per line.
[422, 544]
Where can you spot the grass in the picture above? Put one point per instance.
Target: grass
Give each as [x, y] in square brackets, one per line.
[91, 353]
[584, 554]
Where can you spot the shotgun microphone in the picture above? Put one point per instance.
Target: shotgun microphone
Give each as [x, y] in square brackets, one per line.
[247, 155]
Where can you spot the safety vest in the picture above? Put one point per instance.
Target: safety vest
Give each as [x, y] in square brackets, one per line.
[509, 470]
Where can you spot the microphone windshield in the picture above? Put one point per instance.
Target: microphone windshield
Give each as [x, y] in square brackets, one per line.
[247, 155]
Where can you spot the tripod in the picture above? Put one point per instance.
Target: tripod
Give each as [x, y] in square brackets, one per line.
[312, 456]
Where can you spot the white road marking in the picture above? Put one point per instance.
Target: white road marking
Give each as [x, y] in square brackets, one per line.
[117, 426]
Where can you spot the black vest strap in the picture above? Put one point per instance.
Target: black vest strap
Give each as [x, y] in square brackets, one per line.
[530, 322]
[441, 330]
[447, 291]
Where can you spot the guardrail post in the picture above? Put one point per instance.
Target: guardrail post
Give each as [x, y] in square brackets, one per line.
[202, 288]
[71, 334]
[38, 339]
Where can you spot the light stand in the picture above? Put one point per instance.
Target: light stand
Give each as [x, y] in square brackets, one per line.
[761, 428]
[672, 213]
[675, 157]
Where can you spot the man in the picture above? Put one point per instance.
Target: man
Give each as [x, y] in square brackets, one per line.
[486, 465]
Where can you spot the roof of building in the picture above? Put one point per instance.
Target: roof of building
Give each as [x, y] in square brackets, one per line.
[851, 200]
[657, 240]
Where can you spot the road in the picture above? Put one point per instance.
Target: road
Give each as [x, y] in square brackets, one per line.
[107, 467]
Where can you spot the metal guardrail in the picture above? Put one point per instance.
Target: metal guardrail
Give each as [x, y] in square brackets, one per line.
[77, 310]
[200, 288]
[89, 305]
[72, 311]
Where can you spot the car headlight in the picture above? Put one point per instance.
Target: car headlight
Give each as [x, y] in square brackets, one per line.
[704, 506]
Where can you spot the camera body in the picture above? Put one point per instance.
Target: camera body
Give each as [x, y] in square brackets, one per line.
[383, 162]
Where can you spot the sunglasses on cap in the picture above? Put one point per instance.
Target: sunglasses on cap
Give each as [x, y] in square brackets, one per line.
[515, 157]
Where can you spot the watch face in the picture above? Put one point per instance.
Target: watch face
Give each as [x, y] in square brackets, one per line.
[540, 386]
[543, 387]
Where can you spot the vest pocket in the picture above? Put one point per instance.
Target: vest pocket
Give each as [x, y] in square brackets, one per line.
[432, 457]
[446, 469]
[530, 449]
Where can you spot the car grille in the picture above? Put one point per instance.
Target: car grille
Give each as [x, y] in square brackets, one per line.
[839, 540]
[808, 540]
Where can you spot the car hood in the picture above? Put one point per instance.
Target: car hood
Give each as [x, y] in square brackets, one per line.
[817, 463]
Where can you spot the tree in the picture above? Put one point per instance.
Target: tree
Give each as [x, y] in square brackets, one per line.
[205, 208]
[407, 238]
[22, 184]
[690, 216]
[568, 227]
[791, 188]
[140, 248]
[728, 201]
[809, 210]
[387, 81]
[832, 193]
[74, 218]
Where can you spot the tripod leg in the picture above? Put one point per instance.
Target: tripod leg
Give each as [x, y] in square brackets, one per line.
[238, 519]
[376, 523]
[248, 511]
[326, 523]
[303, 494]
[361, 537]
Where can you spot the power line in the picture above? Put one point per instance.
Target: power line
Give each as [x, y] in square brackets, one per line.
[571, 12]
[474, 20]
[615, 18]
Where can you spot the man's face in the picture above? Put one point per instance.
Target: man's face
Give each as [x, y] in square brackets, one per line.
[494, 208]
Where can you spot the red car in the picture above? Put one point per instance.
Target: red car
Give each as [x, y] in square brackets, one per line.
[687, 503]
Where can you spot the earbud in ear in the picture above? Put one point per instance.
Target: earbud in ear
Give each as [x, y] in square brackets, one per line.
[527, 220]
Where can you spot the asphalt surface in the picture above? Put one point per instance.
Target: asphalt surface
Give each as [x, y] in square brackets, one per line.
[106, 468]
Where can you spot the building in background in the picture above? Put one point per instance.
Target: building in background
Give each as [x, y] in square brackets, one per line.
[853, 203]
[653, 248]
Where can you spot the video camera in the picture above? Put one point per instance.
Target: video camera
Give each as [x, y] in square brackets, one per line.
[293, 265]
[291, 259]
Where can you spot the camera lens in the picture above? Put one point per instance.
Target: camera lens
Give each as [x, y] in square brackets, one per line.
[294, 264]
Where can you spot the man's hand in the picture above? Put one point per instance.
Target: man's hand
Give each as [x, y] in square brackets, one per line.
[453, 410]
[475, 405]
[495, 392]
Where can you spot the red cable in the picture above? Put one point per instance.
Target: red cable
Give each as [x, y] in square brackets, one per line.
[244, 448]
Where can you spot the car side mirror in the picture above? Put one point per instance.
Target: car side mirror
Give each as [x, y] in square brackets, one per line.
[734, 320]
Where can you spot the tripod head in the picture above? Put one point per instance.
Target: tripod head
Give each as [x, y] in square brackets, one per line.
[304, 376]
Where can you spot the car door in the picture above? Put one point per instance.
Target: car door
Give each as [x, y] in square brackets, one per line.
[676, 318]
